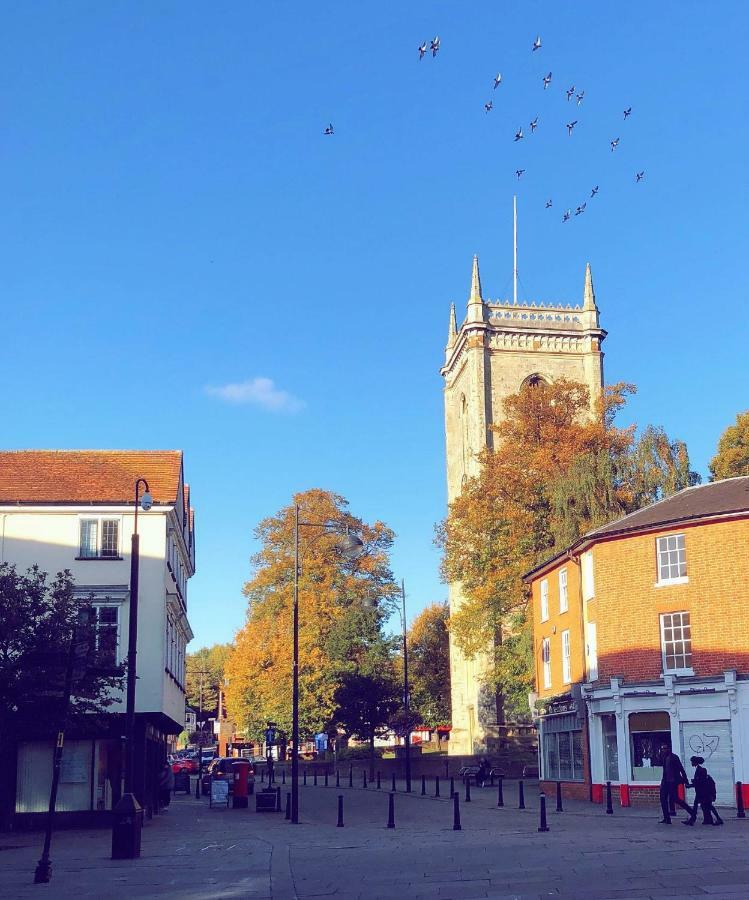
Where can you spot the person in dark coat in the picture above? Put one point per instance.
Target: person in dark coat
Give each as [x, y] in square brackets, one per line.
[166, 785]
[673, 776]
[484, 772]
[704, 790]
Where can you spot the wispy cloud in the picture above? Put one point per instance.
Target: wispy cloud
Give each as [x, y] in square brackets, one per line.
[260, 392]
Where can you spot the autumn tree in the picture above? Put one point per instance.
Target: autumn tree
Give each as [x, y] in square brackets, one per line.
[557, 471]
[204, 672]
[429, 665]
[342, 606]
[732, 457]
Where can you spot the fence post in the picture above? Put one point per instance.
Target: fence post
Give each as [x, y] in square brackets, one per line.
[283, 776]
[340, 811]
[379, 780]
[393, 785]
[500, 793]
[468, 790]
[364, 779]
[559, 797]
[542, 826]
[452, 785]
[288, 805]
[521, 794]
[740, 814]
[609, 807]
[326, 778]
[423, 785]
[447, 768]
[456, 812]
[278, 799]
[305, 776]
[436, 785]
[391, 810]
[337, 778]
[314, 780]
[351, 776]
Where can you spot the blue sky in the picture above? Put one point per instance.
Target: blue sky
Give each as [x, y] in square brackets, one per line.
[173, 220]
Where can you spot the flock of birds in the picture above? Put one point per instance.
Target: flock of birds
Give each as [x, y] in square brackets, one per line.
[433, 46]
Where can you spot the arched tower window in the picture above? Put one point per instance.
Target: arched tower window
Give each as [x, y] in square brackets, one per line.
[533, 381]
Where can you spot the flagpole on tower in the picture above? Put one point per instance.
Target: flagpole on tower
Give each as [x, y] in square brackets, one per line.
[515, 250]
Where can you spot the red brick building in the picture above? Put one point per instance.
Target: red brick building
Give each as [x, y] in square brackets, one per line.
[641, 636]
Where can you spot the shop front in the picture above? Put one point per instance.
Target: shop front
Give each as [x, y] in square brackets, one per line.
[562, 747]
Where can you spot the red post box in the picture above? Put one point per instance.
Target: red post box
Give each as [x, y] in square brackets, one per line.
[241, 773]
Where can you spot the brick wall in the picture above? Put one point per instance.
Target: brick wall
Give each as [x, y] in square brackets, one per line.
[571, 790]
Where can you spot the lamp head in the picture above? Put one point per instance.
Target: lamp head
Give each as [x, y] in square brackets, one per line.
[146, 501]
[350, 546]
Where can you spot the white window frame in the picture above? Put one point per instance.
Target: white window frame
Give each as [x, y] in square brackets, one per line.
[99, 519]
[586, 573]
[566, 668]
[544, 599]
[564, 602]
[662, 548]
[546, 662]
[107, 604]
[591, 650]
[676, 670]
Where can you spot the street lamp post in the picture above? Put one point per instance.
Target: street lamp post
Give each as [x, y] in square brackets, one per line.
[128, 814]
[350, 546]
[406, 692]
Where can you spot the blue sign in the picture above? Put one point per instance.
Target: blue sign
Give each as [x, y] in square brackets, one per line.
[321, 742]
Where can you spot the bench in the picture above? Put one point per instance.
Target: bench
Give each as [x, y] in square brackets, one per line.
[468, 773]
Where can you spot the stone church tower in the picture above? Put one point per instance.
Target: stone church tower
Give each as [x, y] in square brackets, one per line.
[500, 347]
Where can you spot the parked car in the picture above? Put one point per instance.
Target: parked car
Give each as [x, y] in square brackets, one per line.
[221, 768]
[187, 764]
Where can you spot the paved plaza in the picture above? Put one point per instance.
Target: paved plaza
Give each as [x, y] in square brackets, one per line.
[194, 852]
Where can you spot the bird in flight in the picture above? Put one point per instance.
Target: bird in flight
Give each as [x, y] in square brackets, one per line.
[329, 129]
[639, 176]
[497, 80]
[434, 46]
[581, 209]
[627, 112]
[519, 134]
[534, 124]
[488, 106]
[537, 44]
[570, 92]
[594, 191]
[548, 204]
[519, 172]
[579, 97]
[566, 216]
[547, 80]
[422, 50]
[571, 126]
[615, 144]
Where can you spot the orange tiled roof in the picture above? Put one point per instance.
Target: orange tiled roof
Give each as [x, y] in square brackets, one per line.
[87, 476]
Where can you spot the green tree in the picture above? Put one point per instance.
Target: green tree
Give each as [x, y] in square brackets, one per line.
[732, 457]
[342, 604]
[205, 677]
[37, 618]
[429, 665]
[364, 706]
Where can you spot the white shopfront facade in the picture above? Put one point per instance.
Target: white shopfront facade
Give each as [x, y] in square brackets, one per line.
[706, 717]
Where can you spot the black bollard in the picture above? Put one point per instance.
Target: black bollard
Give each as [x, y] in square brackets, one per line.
[468, 790]
[305, 776]
[740, 814]
[288, 805]
[452, 786]
[337, 778]
[340, 811]
[278, 799]
[326, 778]
[379, 780]
[456, 812]
[542, 826]
[314, 779]
[364, 779]
[521, 794]
[283, 776]
[423, 785]
[391, 810]
[500, 793]
[350, 776]
[436, 785]
[559, 797]
[609, 807]
[393, 787]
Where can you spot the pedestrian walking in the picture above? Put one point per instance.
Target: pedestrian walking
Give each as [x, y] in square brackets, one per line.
[166, 785]
[673, 776]
[483, 773]
[704, 794]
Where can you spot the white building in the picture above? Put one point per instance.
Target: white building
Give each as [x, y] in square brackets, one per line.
[75, 510]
